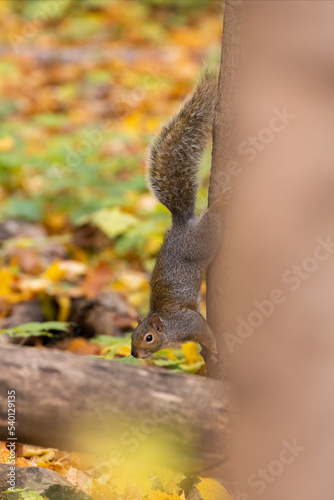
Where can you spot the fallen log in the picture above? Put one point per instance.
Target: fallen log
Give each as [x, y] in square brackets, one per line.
[68, 402]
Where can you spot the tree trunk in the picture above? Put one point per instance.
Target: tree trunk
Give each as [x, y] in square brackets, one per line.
[223, 167]
[68, 402]
[274, 305]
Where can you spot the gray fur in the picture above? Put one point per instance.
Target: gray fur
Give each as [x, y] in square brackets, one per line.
[191, 242]
[178, 148]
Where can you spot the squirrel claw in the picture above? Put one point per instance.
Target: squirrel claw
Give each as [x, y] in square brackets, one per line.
[214, 358]
[211, 356]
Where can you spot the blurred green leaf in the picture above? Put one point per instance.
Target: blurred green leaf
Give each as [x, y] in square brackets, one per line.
[35, 329]
[24, 208]
[112, 222]
[129, 360]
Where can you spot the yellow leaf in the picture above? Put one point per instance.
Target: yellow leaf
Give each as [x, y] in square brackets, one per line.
[153, 124]
[42, 455]
[170, 354]
[191, 353]
[54, 272]
[131, 474]
[112, 221]
[64, 308]
[137, 299]
[22, 462]
[212, 490]
[154, 244]
[6, 279]
[6, 143]
[161, 495]
[5, 459]
[123, 351]
[101, 491]
[133, 121]
[55, 221]
[133, 280]
[169, 479]
[4, 456]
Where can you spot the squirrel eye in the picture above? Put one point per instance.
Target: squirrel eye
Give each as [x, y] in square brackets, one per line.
[149, 338]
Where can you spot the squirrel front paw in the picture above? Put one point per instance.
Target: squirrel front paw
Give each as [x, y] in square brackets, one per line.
[209, 355]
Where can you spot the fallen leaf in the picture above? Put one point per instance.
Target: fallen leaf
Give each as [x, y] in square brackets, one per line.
[123, 351]
[6, 279]
[5, 457]
[191, 354]
[82, 347]
[55, 272]
[96, 280]
[72, 475]
[72, 269]
[212, 490]
[64, 308]
[169, 479]
[82, 461]
[161, 495]
[133, 280]
[28, 260]
[112, 221]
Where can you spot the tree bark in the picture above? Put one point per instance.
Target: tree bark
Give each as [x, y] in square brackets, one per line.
[222, 164]
[58, 394]
[275, 302]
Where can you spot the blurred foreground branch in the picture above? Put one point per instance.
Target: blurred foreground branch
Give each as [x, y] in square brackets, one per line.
[80, 403]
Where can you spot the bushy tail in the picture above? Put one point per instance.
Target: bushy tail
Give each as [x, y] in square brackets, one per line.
[177, 150]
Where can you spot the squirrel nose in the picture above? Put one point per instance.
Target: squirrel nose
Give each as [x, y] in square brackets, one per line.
[134, 353]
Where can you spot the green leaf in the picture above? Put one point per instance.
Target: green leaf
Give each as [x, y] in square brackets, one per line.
[169, 363]
[192, 368]
[24, 494]
[8, 107]
[112, 344]
[107, 340]
[112, 221]
[21, 207]
[51, 120]
[129, 360]
[35, 329]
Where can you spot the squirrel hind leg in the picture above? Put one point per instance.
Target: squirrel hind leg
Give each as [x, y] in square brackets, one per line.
[205, 337]
[204, 238]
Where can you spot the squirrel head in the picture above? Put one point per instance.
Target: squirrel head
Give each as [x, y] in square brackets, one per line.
[147, 338]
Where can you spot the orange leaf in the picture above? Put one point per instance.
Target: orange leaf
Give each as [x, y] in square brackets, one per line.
[83, 347]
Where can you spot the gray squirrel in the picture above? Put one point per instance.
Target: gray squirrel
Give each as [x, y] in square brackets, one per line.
[191, 242]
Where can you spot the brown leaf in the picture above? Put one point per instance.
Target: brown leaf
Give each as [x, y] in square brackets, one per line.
[97, 279]
[28, 260]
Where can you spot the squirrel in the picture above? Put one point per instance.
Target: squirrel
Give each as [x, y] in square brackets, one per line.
[191, 242]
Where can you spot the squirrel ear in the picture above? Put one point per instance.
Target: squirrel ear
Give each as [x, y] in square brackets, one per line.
[156, 323]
